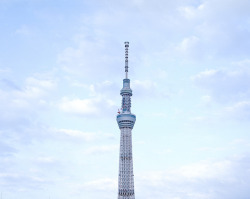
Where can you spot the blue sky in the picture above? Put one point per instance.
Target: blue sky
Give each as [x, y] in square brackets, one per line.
[61, 70]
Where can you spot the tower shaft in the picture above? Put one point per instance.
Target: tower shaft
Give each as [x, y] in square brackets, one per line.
[126, 121]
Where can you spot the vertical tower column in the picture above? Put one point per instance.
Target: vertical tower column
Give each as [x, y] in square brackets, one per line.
[126, 175]
[126, 121]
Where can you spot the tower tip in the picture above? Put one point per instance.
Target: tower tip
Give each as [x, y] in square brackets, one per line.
[126, 58]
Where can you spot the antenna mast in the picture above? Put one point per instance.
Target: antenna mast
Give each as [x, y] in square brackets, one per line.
[126, 58]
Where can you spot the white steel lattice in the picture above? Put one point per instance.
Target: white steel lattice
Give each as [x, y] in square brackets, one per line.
[126, 176]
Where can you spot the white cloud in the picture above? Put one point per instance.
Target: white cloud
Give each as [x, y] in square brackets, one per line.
[21, 181]
[36, 88]
[228, 88]
[23, 102]
[240, 142]
[102, 149]
[89, 59]
[199, 119]
[101, 100]
[227, 178]
[87, 107]
[6, 150]
[225, 85]
[24, 30]
[104, 184]
[188, 11]
[144, 84]
[78, 106]
[206, 99]
[87, 136]
[211, 149]
[79, 134]
[240, 110]
[189, 47]
[214, 30]
[46, 160]
[106, 89]
[242, 64]
[4, 70]
[148, 88]
[205, 170]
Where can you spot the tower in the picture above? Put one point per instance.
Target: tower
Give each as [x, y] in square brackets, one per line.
[126, 121]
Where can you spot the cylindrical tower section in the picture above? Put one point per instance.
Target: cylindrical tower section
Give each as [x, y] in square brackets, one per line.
[126, 94]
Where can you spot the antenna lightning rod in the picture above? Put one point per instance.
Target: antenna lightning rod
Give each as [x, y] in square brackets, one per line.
[126, 58]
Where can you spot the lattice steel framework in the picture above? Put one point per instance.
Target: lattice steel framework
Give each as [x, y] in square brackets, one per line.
[126, 121]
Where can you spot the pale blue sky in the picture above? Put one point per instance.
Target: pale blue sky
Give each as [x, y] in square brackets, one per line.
[61, 71]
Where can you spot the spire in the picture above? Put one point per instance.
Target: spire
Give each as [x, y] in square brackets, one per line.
[126, 58]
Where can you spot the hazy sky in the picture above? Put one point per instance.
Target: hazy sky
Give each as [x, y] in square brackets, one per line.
[61, 71]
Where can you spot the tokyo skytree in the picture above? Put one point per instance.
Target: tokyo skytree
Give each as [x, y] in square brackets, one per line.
[126, 121]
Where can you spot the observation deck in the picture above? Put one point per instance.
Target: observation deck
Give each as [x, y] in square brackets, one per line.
[126, 120]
